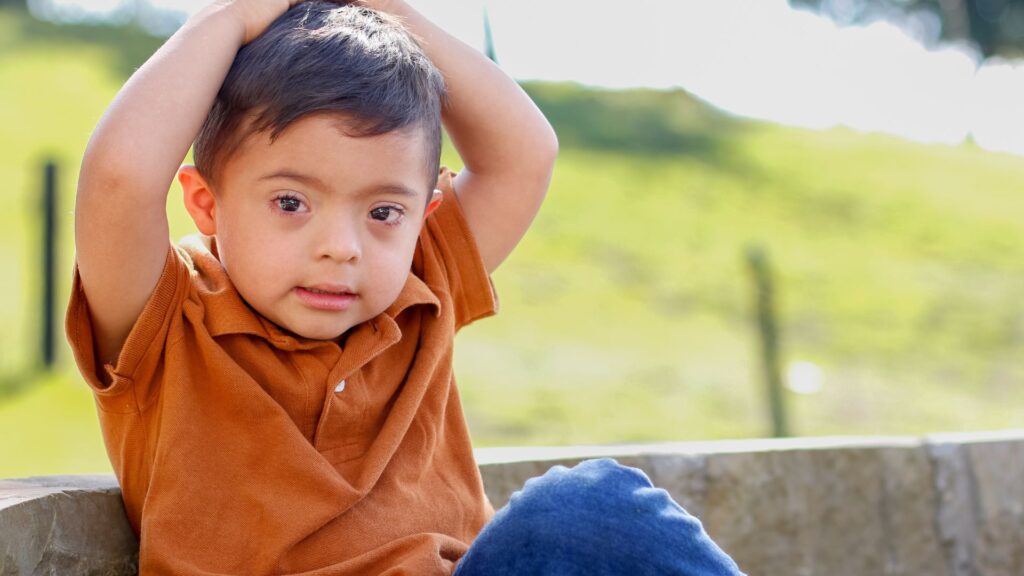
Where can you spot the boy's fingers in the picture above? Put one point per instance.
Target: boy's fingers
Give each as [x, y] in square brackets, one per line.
[257, 15]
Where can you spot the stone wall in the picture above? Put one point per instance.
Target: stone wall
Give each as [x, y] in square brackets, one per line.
[949, 505]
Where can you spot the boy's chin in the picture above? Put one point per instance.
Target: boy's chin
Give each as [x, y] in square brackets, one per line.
[320, 333]
[310, 331]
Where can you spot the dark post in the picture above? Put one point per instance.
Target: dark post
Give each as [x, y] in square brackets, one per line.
[49, 347]
[768, 329]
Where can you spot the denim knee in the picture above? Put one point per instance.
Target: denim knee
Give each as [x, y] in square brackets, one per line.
[590, 483]
[598, 518]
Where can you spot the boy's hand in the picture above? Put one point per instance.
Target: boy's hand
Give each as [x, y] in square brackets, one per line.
[255, 15]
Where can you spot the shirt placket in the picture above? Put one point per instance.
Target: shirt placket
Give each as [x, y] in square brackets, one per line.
[342, 397]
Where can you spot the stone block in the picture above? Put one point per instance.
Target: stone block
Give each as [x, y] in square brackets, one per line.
[996, 471]
[955, 510]
[911, 540]
[805, 512]
[65, 525]
[942, 506]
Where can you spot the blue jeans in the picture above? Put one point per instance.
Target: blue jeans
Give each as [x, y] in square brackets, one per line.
[598, 518]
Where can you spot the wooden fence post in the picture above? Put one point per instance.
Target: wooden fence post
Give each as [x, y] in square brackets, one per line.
[49, 264]
[768, 330]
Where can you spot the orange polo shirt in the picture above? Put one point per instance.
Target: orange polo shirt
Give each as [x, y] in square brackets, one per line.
[239, 451]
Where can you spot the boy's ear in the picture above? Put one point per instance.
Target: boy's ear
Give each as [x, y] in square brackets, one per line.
[435, 200]
[199, 199]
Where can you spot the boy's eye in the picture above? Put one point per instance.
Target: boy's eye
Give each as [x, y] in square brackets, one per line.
[387, 214]
[289, 203]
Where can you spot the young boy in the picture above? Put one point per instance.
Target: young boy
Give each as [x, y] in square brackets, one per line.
[276, 395]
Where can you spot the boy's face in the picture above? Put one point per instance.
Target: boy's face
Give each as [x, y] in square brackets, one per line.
[317, 230]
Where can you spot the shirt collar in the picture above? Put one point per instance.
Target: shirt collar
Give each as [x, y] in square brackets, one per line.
[415, 292]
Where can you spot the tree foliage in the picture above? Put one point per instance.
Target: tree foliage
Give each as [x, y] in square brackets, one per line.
[993, 26]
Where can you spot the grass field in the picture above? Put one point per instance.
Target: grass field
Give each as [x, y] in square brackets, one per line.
[625, 313]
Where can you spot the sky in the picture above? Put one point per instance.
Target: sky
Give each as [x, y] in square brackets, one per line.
[754, 58]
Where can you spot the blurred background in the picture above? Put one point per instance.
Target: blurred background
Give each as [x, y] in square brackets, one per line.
[768, 218]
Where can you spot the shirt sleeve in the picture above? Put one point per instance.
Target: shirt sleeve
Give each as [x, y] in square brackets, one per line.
[133, 372]
[447, 237]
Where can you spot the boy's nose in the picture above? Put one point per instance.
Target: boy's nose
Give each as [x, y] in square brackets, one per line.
[341, 243]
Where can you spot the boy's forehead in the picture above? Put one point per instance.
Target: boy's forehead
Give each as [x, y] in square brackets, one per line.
[328, 148]
[382, 184]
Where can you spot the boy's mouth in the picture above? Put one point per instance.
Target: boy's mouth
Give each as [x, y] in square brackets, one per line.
[322, 297]
[330, 292]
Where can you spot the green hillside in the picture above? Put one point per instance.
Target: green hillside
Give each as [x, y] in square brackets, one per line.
[625, 313]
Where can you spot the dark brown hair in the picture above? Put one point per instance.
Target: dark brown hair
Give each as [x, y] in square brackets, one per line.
[322, 57]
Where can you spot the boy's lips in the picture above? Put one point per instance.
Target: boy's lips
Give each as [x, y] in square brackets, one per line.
[333, 297]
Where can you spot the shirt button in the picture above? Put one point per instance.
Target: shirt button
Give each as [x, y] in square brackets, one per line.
[340, 387]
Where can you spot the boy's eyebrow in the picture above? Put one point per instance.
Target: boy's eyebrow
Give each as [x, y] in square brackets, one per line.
[311, 180]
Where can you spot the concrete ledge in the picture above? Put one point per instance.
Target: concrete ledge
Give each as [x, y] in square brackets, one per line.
[53, 525]
[948, 505]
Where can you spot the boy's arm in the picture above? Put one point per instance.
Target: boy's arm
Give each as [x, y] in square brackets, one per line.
[121, 232]
[506, 144]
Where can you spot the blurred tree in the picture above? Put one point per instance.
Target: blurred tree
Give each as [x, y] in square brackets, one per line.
[994, 26]
[129, 45]
[641, 122]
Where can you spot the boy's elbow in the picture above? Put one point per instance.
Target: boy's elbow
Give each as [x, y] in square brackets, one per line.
[100, 168]
[546, 147]
[549, 144]
[544, 151]
[102, 181]
[104, 171]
